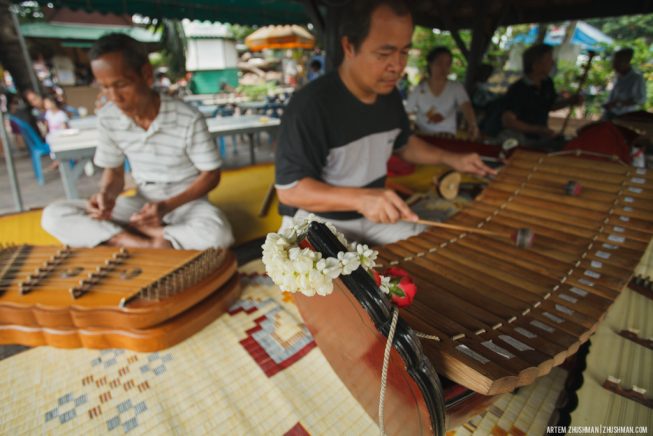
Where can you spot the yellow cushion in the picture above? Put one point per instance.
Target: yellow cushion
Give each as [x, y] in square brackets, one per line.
[240, 195]
[24, 228]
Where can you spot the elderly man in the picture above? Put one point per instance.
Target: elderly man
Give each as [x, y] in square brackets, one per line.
[173, 159]
[628, 92]
[339, 131]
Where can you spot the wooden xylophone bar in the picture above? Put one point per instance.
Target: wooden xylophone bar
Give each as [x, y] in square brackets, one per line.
[504, 315]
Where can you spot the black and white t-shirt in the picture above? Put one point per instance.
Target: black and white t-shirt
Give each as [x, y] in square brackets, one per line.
[329, 135]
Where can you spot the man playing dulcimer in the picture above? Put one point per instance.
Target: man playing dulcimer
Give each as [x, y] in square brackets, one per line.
[339, 131]
[173, 159]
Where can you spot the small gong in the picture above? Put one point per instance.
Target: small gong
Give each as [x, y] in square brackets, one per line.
[448, 184]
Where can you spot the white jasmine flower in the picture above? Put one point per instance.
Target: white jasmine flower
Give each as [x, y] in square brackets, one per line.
[385, 284]
[367, 256]
[349, 262]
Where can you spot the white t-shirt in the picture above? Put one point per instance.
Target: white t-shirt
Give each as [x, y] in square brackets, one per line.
[56, 120]
[421, 101]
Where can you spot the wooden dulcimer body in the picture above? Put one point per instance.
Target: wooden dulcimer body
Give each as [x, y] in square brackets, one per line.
[107, 297]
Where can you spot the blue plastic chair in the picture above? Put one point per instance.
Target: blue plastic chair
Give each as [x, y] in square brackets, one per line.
[36, 146]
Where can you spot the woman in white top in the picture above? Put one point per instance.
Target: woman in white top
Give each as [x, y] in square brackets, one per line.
[435, 101]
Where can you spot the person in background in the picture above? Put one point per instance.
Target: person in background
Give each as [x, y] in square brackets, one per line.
[529, 100]
[437, 100]
[55, 117]
[481, 94]
[628, 92]
[404, 86]
[35, 101]
[161, 82]
[314, 70]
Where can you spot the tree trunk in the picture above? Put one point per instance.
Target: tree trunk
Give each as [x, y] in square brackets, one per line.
[541, 32]
[11, 54]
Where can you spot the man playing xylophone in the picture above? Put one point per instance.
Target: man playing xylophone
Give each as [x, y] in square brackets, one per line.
[173, 159]
[339, 131]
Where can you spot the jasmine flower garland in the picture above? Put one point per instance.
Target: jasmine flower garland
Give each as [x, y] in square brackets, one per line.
[297, 269]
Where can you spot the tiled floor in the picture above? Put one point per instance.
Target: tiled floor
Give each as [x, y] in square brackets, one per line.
[35, 196]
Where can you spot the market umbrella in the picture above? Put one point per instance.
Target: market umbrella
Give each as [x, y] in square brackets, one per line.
[280, 37]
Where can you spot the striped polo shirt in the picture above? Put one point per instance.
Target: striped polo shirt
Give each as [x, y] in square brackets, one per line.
[175, 148]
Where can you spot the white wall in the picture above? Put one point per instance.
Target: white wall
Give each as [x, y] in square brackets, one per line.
[211, 54]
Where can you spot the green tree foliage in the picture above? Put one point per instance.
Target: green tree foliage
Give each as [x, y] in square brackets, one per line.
[601, 74]
[240, 32]
[424, 39]
[626, 28]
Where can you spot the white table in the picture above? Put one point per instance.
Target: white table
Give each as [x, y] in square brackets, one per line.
[85, 123]
[246, 124]
[79, 145]
[72, 145]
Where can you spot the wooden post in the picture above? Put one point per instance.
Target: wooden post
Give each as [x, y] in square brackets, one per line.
[332, 42]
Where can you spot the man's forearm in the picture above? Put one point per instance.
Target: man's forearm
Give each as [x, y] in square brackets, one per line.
[113, 181]
[468, 113]
[203, 184]
[316, 196]
[419, 151]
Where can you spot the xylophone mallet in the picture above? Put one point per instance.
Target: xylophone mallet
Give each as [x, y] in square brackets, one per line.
[522, 238]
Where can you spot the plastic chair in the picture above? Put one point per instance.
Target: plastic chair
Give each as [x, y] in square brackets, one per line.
[36, 146]
[225, 111]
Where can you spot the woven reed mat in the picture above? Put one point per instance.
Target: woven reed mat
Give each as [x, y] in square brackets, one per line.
[613, 355]
[527, 411]
[255, 370]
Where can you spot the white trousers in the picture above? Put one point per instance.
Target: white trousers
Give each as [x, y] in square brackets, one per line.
[196, 225]
[364, 230]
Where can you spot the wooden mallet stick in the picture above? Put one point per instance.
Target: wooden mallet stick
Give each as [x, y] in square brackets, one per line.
[522, 238]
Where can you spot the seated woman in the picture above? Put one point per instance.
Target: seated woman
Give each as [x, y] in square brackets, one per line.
[436, 101]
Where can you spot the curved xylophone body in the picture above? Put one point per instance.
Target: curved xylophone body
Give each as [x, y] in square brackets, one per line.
[498, 316]
[142, 299]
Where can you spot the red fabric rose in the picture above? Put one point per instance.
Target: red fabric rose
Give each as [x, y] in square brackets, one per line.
[377, 277]
[402, 287]
[409, 289]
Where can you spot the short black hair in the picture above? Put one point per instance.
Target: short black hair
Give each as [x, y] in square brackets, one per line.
[357, 16]
[132, 51]
[316, 64]
[436, 52]
[626, 53]
[533, 54]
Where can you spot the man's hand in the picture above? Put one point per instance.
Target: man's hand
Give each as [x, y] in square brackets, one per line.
[100, 206]
[384, 206]
[470, 163]
[151, 215]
